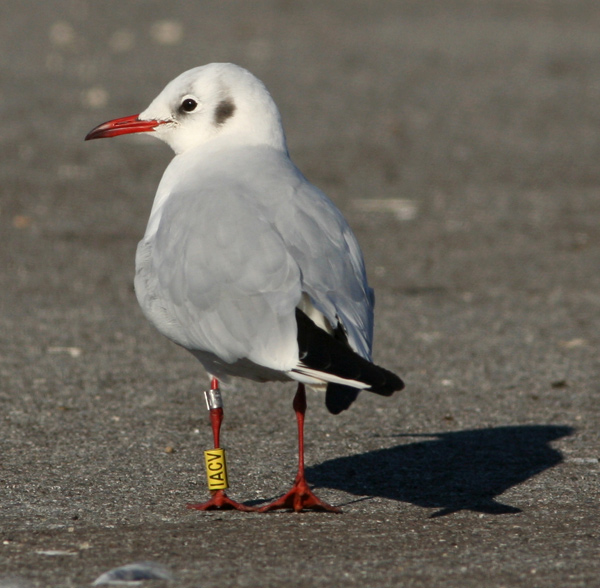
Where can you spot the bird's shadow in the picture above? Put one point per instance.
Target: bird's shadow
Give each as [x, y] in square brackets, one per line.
[464, 470]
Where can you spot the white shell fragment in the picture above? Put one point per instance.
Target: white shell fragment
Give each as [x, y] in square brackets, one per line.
[402, 208]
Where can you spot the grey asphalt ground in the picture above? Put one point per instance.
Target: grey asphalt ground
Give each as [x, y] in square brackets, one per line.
[462, 141]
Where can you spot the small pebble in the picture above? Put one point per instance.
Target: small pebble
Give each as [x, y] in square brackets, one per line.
[572, 343]
[167, 32]
[21, 221]
[62, 34]
[96, 97]
[121, 41]
[72, 351]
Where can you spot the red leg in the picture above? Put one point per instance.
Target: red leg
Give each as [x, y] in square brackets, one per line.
[300, 497]
[219, 499]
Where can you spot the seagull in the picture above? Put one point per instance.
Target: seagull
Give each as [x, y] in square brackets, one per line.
[245, 263]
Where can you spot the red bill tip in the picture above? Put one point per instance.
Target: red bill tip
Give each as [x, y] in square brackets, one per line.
[122, 126]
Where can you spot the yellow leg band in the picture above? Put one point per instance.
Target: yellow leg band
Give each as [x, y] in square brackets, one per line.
[216, 469]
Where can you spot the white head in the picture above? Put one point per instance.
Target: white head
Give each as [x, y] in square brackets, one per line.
[216, 101]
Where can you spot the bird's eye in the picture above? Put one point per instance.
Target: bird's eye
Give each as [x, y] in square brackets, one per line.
[189, 105]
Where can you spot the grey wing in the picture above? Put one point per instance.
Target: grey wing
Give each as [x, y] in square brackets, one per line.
[331, 265]
[217, 277]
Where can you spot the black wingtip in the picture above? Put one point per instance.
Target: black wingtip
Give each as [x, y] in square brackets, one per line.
[391, 383]
[321, 351]
[339, 398]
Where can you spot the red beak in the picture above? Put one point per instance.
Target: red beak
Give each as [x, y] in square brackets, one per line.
[123, 126]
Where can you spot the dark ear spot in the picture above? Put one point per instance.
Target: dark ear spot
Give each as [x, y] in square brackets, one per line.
[224, 110]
